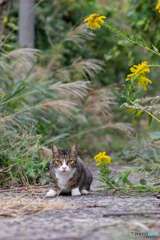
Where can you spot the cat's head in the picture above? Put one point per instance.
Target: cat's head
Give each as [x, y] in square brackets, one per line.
[64, 160]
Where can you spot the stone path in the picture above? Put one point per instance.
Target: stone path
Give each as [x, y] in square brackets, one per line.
[86, 221]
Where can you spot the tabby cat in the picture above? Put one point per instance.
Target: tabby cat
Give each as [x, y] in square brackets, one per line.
[68, 173]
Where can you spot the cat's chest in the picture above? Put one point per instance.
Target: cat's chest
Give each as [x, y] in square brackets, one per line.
[63, 178]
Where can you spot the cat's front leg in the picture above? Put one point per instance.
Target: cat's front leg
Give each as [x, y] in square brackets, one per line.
[75, 192]
[53, 189]
[51, 193]
[84, 192]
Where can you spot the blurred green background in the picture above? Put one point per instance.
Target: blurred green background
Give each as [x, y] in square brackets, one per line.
[67, 89]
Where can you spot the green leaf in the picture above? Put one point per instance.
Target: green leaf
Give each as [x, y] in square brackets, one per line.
[122, 95]
[143, 42]
[127, 174]
[149, 119]
[155, 49]
[143, 181]
[128, 182]
[150, 185]
[124, 178]
[155, 135]
[101, 187]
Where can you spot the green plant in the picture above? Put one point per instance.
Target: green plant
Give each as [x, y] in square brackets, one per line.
[20, 159]
[132, 92]
[120, 182]
[133, 95]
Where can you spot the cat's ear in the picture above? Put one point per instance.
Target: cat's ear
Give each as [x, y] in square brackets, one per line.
[73, 149]
[55, 149]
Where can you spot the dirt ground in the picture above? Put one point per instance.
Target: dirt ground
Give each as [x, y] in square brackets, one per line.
[27, 215]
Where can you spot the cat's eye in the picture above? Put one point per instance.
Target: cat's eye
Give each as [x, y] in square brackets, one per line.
[70, 161]
[58, 162]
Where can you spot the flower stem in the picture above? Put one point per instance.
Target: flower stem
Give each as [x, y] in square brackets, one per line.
[146, 111]
[122, 34]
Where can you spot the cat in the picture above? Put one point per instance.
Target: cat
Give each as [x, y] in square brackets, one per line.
[68, 173]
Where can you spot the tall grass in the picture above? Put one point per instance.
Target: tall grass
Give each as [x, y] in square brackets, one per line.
[42, 104]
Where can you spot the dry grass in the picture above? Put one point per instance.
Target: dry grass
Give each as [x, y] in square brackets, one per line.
[79, 34]
[41, 73]
[25, 54]
[22, 59]
[78, 89]
[101, 101]
[89, 68]
[125, 129]
[100, 104]
[63, 74]
[6, 118]
[61, 106]
[18, 206]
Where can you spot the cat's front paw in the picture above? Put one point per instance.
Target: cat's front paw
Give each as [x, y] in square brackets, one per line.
[75, 192]
[51, 193]
[84, 192]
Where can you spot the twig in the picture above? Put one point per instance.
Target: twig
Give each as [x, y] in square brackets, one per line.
[8, 170]
[9, 190]
[129, 194]
[132, 213]
[93, 206]
[115, 224]
[7, 215]
[28, 188]
[59, 192]
[156, 184]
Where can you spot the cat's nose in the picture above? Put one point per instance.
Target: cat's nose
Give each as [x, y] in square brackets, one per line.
[64, 168]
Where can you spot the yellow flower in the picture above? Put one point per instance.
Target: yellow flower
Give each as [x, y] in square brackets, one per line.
[5, 20]
[102, 158]
[138, 114]
[158, 6]
[94, 20]
[139, 71]
[143, 81]
[129, 110]
[134, 122]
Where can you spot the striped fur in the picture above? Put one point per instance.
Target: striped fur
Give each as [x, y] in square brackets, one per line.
[76, 174]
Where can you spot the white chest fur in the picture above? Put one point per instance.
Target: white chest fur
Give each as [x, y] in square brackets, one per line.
[63, 178]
